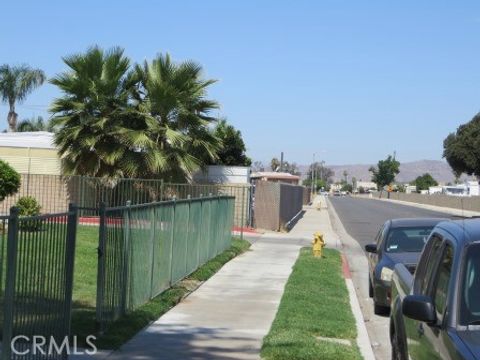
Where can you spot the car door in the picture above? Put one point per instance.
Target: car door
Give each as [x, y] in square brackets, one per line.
[415, 330]
[427, 340]
[374, 257]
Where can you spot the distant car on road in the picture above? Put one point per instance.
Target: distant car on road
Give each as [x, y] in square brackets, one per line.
[398, 241]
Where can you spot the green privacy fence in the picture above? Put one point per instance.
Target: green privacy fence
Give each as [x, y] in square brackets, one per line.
[144, 249]
[38, 272]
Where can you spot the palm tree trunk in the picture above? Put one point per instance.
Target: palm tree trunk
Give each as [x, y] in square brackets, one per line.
[12, 119]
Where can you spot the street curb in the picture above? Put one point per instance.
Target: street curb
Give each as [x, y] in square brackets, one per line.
[363, 340]
[446, 210]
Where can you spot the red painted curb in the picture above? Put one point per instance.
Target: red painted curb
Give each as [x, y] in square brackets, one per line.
[345, 268]
[245, 230]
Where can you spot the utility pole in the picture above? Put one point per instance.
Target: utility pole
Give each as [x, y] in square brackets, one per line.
[322, 164]
[281, 162]
[313, 172]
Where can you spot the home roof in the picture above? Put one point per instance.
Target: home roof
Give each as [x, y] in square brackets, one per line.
[34, 139]
[275, 175]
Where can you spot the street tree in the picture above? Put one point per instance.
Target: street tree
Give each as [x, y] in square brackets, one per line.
[346, 187]
[385, 172]
[291, 168]
[16, 83]
[275, 164]
[424, 182]
[461, 149]
[354, 183]
[233, 149]
[258, 166]
[322, 172]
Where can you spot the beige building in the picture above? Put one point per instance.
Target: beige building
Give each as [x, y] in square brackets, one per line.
[30, 152]
[280, 177]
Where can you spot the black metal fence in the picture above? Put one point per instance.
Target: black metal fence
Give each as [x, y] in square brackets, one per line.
[55, 192]
[38, 272]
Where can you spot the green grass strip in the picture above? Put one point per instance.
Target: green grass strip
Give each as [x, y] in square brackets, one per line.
[315, 303]
[83, 319]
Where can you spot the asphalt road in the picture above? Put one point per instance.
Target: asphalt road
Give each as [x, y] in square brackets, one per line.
[360, 221]
[362, 218]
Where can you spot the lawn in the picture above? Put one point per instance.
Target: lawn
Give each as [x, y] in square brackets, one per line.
[84, 292]
[315, 304]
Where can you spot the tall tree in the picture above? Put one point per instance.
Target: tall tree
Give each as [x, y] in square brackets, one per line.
[233, 150]
[321, 173]
[16, 83]
[291, 168]
[173, 100]
[385, 172]
[424, 182]
[115, 121]
[461, 149]
[258, 166]
[98, 134]
[275, 164]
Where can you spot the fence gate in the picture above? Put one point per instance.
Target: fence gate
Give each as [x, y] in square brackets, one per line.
[38, 286]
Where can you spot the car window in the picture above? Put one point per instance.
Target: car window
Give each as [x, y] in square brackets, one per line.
[430, 264]
[412, 239]
[440, 292]
[470, 293]
[379, 235]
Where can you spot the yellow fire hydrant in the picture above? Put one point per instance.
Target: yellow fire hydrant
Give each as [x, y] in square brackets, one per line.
[318, 244]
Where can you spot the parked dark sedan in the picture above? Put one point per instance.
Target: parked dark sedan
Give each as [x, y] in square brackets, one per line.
[398, 241]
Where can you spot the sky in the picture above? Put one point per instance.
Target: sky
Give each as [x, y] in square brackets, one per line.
[351, 81]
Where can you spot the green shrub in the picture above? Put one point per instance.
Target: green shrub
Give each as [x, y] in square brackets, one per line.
[29, 206]
[9, 180]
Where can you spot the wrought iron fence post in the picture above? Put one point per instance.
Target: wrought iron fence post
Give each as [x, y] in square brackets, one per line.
[153, 226]
[161, 190]
[101, 268]
[70, 262]
[12, 247]
[188, 233]
[172, 238]
[201, 240]
[126, 259]
[243, 213]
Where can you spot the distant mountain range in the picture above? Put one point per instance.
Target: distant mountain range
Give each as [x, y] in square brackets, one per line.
[440, 171]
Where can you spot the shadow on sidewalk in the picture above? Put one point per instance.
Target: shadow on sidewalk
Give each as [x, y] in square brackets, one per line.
[291, 224]
[171, 342]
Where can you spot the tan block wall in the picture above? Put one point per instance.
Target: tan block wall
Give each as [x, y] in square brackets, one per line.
[442, 200]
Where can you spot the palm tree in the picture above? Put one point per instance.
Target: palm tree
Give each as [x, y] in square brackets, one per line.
[94, 128]
[172, 99]
[16, 83]
[150, 121]
[34, 124]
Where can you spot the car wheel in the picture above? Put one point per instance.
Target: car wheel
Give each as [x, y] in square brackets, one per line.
[370, 287]
[396, 352]
[380, 310]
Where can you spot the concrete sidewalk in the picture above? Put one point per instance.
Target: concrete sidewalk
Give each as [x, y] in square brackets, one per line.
[228, 316]
[315, 218]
